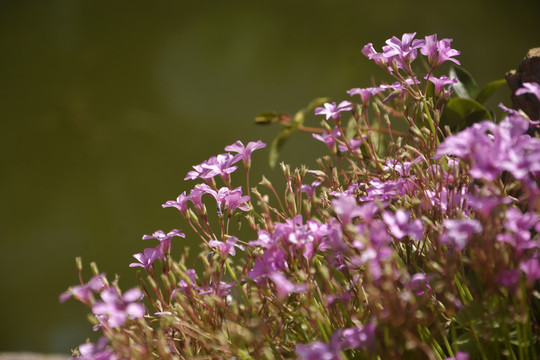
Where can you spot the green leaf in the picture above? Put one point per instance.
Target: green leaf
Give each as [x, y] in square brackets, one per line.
[460, 113]
[466, 87]
[489, 89]
[276, 146]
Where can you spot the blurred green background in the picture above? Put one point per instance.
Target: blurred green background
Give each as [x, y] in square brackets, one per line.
[105, 105]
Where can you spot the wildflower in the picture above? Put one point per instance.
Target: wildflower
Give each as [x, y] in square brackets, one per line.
[147, 257]
[531, 269]
[346, 208]
[285, 287]
[227, 247]
[459, 231]
[365, 93]
[119, 308]
[333, 111]
[271, 261]
[438, 51]
[84, 292]
[228, 200]
[165, 239]
[361, 337]
[244, 153]
[221, 165]
[99, 351]
[440, 83]
[354, 144]
[460, 355]
[531, 88]
[180, 203]
[329, 138]
[399, 225]
[402, 52]
[420, 284]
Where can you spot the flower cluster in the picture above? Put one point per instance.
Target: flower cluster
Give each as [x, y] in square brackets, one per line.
[402, 245]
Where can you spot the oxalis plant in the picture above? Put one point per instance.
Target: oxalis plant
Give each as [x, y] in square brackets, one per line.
[415, 238]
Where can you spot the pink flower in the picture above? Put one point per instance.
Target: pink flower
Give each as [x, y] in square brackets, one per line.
[180, 203]
[84, 293]
[118, 309]
[285, 287]
[147, 257]
[244, 153]
[333, 111]
[438, 51]
[365, 93]
[227, 247]
[531, 88]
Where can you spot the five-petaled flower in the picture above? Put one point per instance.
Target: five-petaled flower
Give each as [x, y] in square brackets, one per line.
[119, 308]
[331, 110]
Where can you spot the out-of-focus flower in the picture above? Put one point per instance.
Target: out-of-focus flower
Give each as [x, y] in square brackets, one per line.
[329, 138]
[459, 231]
[84, 293]
[529, 88]
[284, 286]
[98, 351]
[399, 225]
[118, 309]
[227, 247]
[531, 269]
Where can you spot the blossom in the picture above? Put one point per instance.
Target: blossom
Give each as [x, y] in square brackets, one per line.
[403, 51]
[244, 152]
[165, 239]
[84, 292]
[346, 208]
[365, 93]
[419, 284]
[180, 203]
[284, 286]
[441, 82]
[333, 111]
[147, 257]
[227, 199]
[460, 355]
[361, 337]
[531, 269]
[531, 88]
[399, 225]
[227, 247]
[329, 138]
[119, 308]
[438, 51]
[459, 231]
[221, 165]
[98, 351]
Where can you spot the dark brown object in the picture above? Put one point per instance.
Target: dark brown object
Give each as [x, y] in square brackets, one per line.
[528, 71]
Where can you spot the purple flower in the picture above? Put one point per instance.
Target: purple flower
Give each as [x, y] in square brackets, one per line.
[273, 260]
[531, 88]
[147, 257]
[438, 51]
[354, 144]
[84, 293]
[309, 190]
[402, 168]
[401, 52]
[459, 231]
[399, 225]
[285, 287]
[460, 355]
[244, 153]
[99, 351]
[318, 350]
[329, 139]
[509, 278]
[531, 269]
[119, 308]
[365, 93]
[229, 200]
[333, 111]
[518, 226]
[420, 284]
[165, 239]
[221, 165]
[227, 247]
[362, 337]
[346, 208]
[180, 203]
[440, 83]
